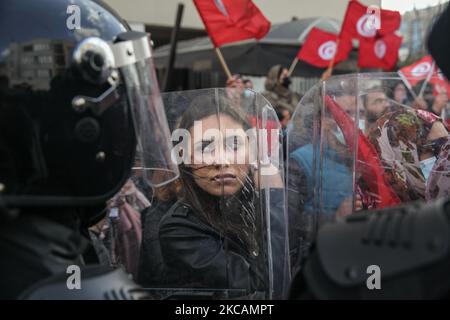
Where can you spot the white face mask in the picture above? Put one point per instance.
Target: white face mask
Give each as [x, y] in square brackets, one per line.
[362, 124]
[248, 93]
[426, 166]
[339, 135]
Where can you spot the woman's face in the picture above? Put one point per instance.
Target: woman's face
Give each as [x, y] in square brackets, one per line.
[400, 93]
[284, 74]
[437, 131]
[219, 148]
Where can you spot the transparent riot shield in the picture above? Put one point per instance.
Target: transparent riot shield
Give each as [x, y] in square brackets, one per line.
[219, 231]
[355, 144]
[153, 147]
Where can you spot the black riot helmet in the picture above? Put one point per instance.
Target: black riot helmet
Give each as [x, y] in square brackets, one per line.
[78, 98]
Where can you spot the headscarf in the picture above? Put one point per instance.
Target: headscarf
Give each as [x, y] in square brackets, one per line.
[277, 94]
[399, 138]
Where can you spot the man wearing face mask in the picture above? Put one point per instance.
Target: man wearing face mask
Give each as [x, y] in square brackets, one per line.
[277, 88]
[346, 98]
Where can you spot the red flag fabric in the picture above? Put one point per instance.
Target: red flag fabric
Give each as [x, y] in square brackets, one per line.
[359, 22]
[368, 162]
[320, 47]
[440, 84]
[268, 126]
[229, 21]
[418, 71]
[379, 52]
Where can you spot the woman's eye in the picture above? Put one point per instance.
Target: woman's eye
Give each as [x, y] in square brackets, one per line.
[204, 146]
[210, 148]
[235, 143]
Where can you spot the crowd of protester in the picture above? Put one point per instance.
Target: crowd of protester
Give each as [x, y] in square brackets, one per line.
[184, 223]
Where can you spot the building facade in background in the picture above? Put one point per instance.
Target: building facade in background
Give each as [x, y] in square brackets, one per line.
[416, 25]
[35, 62]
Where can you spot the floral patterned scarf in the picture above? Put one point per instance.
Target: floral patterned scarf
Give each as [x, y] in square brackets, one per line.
[399, 137]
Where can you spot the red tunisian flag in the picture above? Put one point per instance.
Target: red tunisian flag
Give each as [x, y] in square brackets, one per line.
[368, 162]
[364, 22]
[379, 52]
[320, 48]
[229, 21]
[418, 71]
[440, 84]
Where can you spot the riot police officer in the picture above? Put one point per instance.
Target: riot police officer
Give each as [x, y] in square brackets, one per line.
[76, 104]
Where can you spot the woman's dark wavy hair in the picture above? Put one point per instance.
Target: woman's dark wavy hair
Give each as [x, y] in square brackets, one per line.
[233, 216]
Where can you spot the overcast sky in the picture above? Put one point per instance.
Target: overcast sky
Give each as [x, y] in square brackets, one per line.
[407, 5]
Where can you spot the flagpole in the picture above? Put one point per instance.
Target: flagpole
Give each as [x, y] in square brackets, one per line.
[293, 65]
[224, 64]
[329, 72]
[430, 74]
[407, 84]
